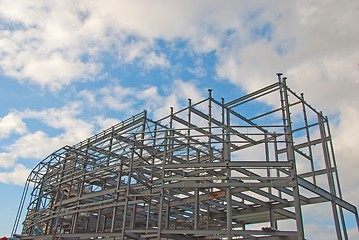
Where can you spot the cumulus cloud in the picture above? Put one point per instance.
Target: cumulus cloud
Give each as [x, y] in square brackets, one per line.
[316, 58]
[117, 97]
[7, 159]
[55, 71]
[36, 143]
[345, 143]
[104, 122]
[67, 44]
[152, 60]
[133, 100]
[10, 123]
[66, 118]
[46, 52]
[247, 36]
[17, 176]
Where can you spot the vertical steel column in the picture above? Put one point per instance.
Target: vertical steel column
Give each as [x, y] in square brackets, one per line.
[149, 205]
[189, 127]
[80, 191]
[38, 203]
[74, 215]
[118, 185]
[52, 222]
[210, 151]
[229, 204]
[60, 191]
[151, 180]
[104, 223]
[338, 182]
[133, 215]
[290, 153]
[228, 189]
[227, 141]
[308, 138]
[208, 224]
[117, 194]
[196, 191]
[171, 146]
[128, 189]
[86, 163]
[329, 174]
[223, 115]
[273, 222]
[99, 212]
[196, 204]
[162, 195]
[58, 212]
[277, 160]
[142, 134]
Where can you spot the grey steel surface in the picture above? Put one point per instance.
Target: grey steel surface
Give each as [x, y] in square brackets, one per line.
[208, 171]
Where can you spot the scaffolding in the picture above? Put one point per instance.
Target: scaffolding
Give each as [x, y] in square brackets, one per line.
[209, 171]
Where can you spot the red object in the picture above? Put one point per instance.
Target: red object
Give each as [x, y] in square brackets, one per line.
[4, 238]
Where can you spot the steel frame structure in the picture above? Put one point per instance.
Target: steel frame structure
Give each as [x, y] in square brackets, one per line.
[204, 172]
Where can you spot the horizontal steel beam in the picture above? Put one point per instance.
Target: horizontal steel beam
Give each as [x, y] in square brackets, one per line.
[194, 184]
[231, 164]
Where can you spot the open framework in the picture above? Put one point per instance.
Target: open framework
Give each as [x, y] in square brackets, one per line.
[208, 171]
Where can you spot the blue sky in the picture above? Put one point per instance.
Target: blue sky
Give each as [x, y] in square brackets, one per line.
[71, 68]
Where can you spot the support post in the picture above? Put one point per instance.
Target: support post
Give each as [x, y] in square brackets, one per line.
[290, 152]
[329, 175]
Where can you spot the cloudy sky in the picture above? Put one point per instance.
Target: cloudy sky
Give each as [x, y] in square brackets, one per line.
[69, 69]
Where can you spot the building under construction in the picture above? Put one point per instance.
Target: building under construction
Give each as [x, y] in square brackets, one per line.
[213, 170]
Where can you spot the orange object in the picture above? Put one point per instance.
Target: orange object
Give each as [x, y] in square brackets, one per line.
[217, 194]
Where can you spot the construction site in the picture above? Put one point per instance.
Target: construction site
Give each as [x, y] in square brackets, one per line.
[215, 169]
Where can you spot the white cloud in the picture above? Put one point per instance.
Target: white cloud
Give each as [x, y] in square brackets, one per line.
[143, 51]
[37, 144]
[152, 60]
[320, 231]
[163, 19]
[319, 223]
[34, 145]
[17, 176]
[198, 69]
[347, 152]
[291, 37]
[103, 122]
[88, 97]
[66, 45]
[68, 42]
[312, 43]
[133, 100]
[45, 46]
[65, 118]
[56, 71]
[117, 97]
[187, 90]
[7, 159]
[10, 123]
